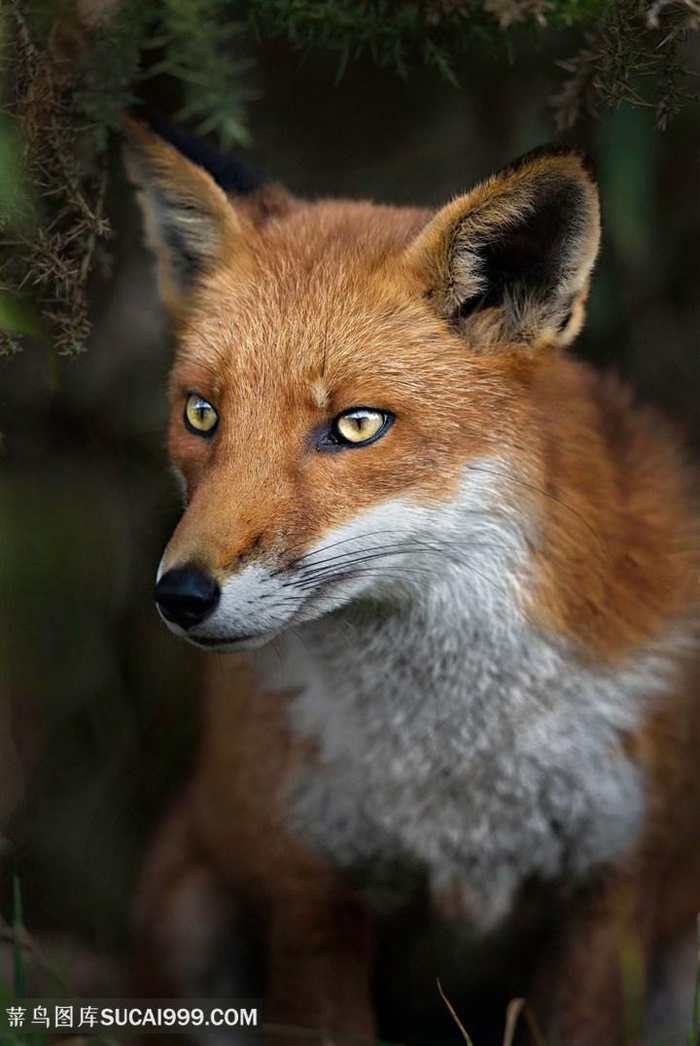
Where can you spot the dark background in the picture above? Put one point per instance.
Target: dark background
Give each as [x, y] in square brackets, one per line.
[99, 702]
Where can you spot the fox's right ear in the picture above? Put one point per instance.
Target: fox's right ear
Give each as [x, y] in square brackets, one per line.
[194, 212]
[188, 217]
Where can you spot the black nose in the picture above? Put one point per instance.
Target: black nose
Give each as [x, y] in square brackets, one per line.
[185, 595]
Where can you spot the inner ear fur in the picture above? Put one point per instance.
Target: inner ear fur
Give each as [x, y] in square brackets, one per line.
[510, 261]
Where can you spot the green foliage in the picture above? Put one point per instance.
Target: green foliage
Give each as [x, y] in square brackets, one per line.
[215, 94]
[436, 32]
[106, 73]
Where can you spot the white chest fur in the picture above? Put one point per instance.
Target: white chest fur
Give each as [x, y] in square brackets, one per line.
[455, 738]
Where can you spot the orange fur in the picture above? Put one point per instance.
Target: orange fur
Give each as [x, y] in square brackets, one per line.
[307, 309]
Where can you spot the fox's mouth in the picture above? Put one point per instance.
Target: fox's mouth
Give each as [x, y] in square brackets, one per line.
[237, 642]
[225, 639]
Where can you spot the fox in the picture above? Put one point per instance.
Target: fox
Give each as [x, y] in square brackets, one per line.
[453, 571]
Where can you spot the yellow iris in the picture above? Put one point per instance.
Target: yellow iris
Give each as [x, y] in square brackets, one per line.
[200, 416]
[359, 426]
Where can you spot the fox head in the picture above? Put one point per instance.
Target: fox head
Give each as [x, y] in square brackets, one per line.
[341, 369]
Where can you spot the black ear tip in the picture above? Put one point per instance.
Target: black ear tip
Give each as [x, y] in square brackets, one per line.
[232, 173]
[585, 159]
[554, 149]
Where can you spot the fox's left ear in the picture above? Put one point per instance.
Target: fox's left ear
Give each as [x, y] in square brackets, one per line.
[510, 262]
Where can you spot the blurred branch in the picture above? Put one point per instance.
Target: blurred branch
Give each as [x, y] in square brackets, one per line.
[632, 56]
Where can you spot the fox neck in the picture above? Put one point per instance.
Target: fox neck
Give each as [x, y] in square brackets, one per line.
[460, 586]
[452, 595]
[455, 737]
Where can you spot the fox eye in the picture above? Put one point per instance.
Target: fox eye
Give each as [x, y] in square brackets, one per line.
[359, 426]
[200, 417]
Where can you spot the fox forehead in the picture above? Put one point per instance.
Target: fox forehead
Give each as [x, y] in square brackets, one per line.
[318, 304]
